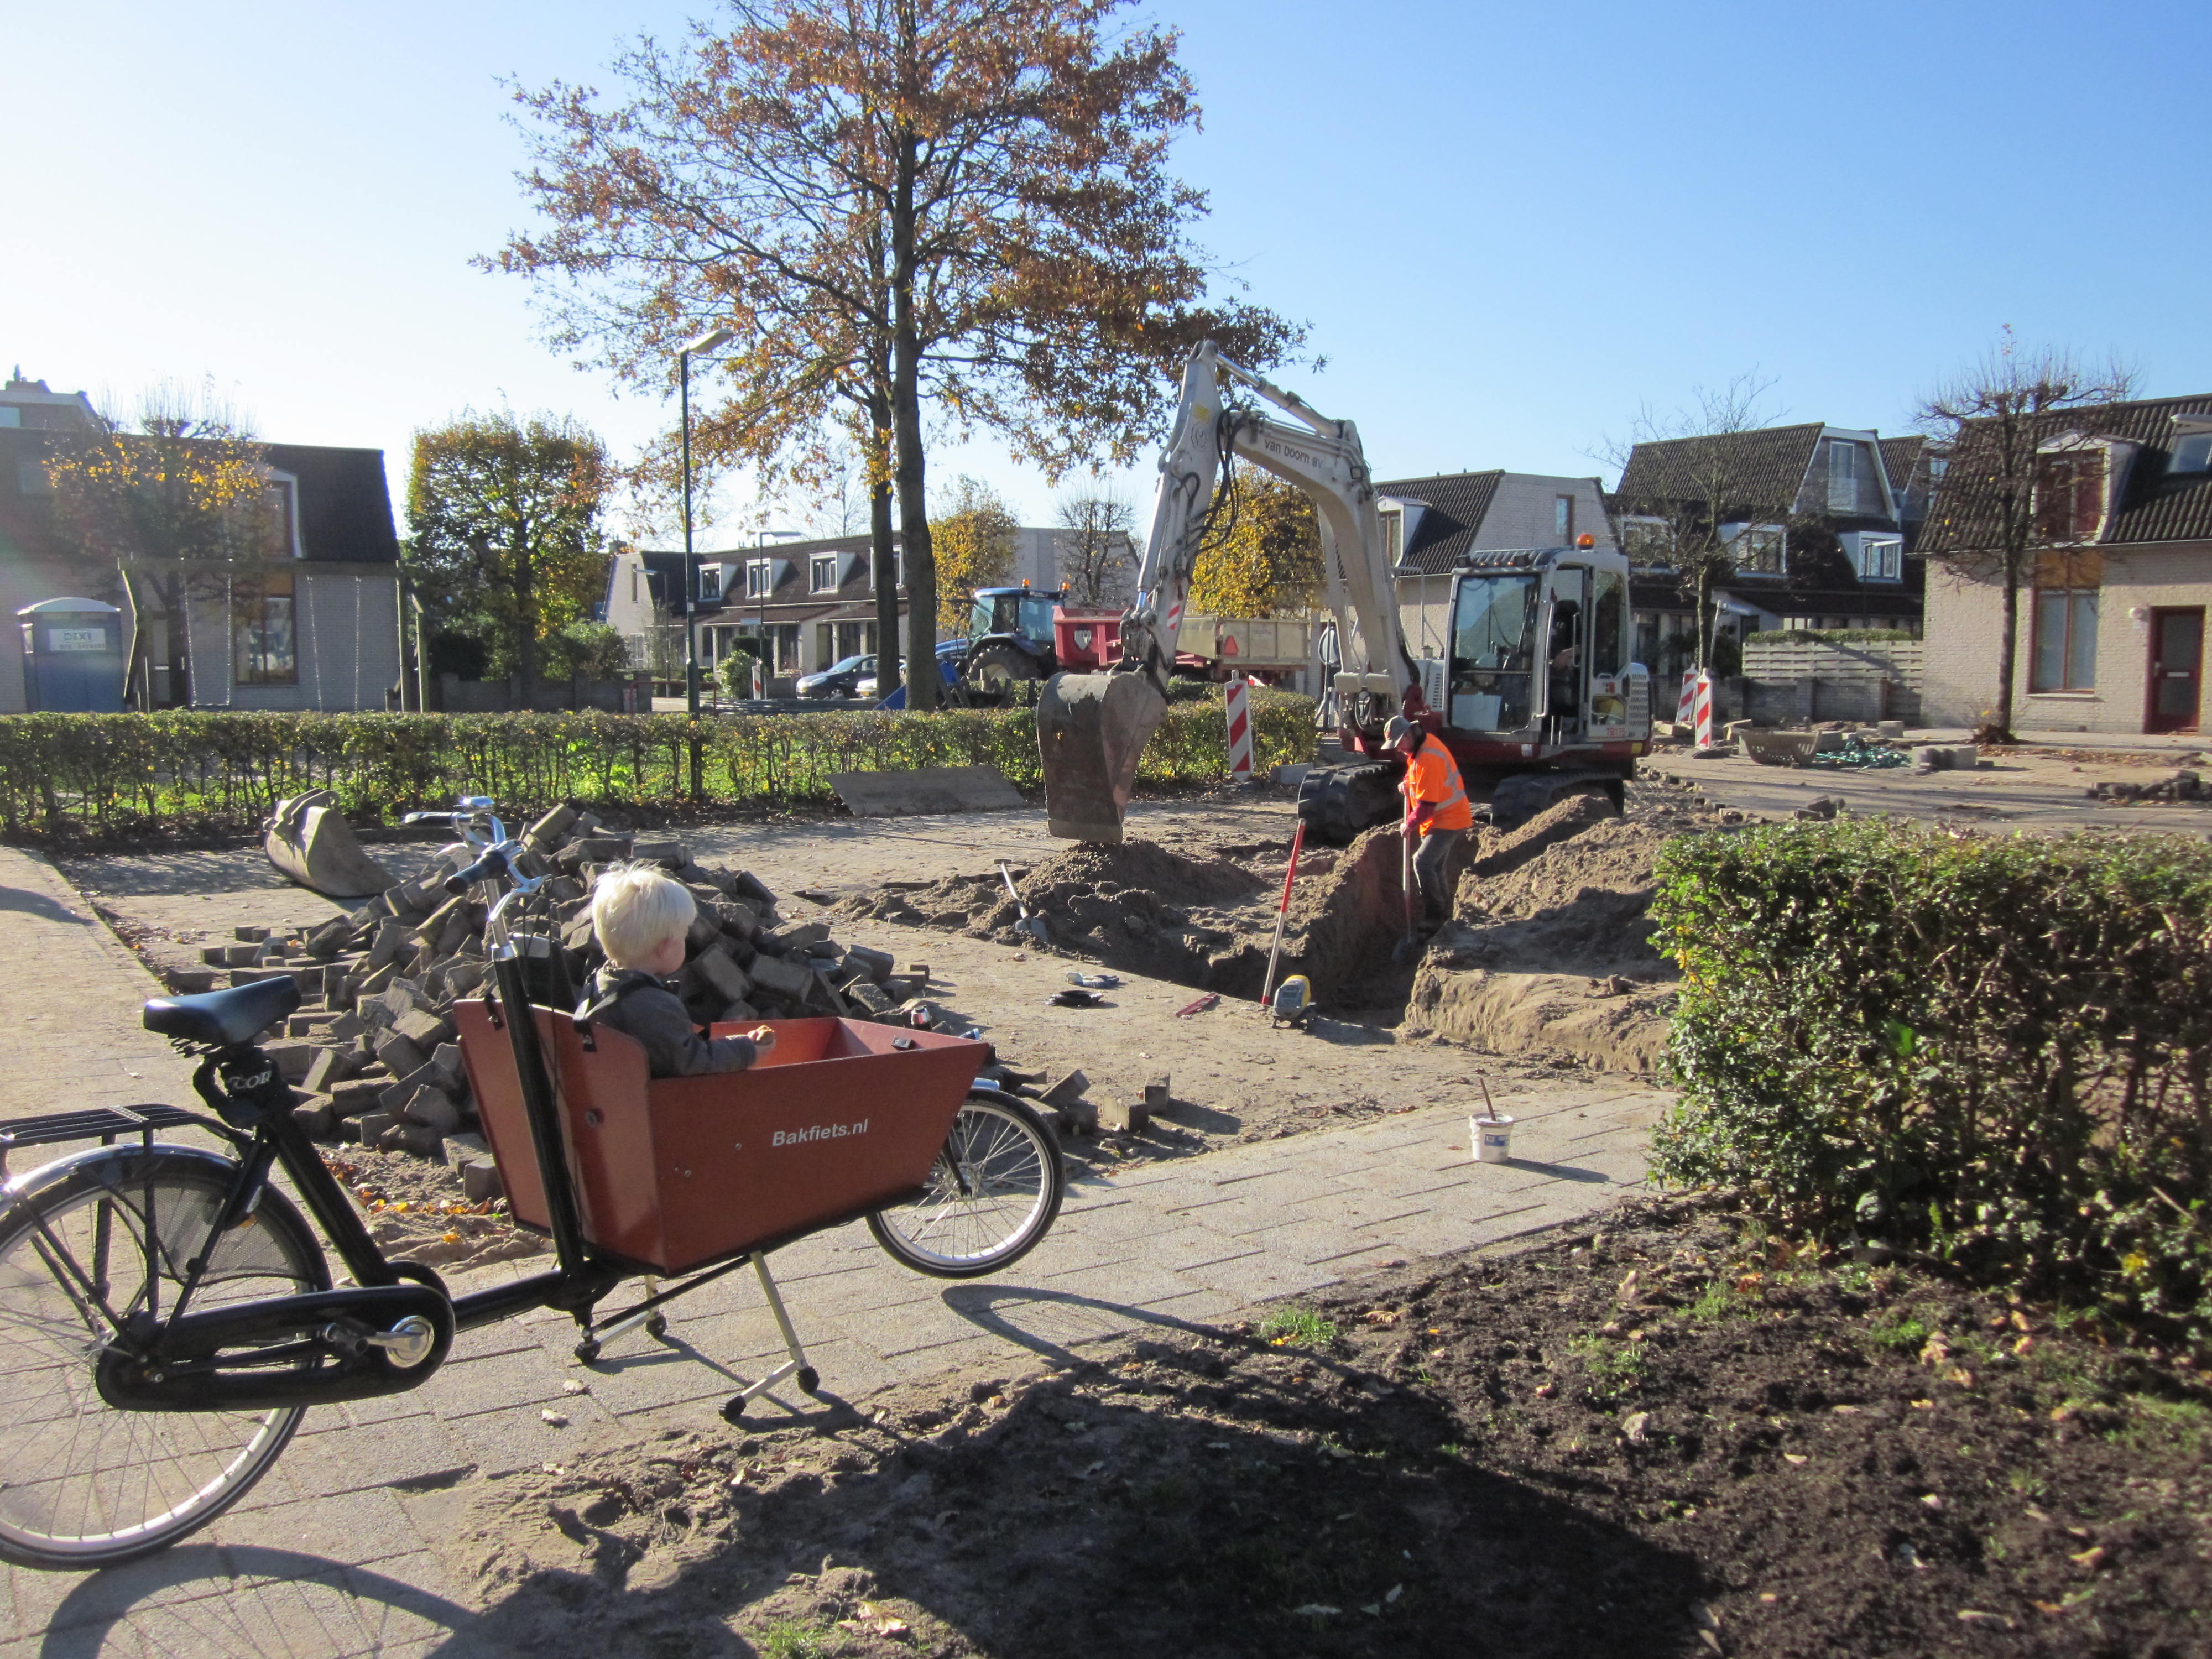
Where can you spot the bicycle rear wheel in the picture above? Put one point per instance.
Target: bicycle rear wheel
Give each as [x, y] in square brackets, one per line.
[81, 1483]
[994, 1192]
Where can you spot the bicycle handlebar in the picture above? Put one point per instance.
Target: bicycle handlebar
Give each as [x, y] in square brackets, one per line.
[493, 863]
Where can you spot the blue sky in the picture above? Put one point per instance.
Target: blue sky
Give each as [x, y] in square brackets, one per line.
[1509, 228]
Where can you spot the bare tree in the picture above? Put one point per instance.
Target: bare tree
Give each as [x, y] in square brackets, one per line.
[1699, 495]
[2007, 497]
[1096, 547]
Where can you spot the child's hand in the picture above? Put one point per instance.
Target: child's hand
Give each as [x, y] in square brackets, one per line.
[763, 1037]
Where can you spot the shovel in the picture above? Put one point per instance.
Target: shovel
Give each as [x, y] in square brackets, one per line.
[1035, 927]
[1410, 946]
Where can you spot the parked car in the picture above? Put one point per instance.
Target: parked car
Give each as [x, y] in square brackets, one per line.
[950, 654]
[842, 678]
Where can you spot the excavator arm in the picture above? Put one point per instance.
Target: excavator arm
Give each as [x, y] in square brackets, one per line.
[1092, 728]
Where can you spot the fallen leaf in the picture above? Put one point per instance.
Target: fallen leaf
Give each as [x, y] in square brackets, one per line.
[570, 1385]
[893, 1627]
[1633, 1425]
[1394, 1592]
[1844, 1411]
[1795, 1457]
[1933, 1500]
[1627, 1288]
[2093, 1558]
[1959, 1375]
[1704, 1617]
[1977, 1616]
[1923, 1405]
[1546, 1390]
[1373, 1609]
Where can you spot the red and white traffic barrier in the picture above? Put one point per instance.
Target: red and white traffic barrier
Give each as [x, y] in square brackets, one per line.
[1238, 701]
[1687, 703]
[1702, 710]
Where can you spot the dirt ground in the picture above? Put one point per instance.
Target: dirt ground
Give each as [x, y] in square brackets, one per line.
[1668, 1436]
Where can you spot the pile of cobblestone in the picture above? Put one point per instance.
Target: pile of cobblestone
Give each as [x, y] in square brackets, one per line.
[372, 1047]
[2183, 786]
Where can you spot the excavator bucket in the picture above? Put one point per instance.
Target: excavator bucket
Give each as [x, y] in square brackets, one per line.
[309, 840]
[1092, 728]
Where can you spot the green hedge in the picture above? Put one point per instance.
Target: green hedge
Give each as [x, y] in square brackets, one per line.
[1997, 1051]
[66, 777]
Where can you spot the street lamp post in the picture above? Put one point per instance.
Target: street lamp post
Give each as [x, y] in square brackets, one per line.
[714, 340]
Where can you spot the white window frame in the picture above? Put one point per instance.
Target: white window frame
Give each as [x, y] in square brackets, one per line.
[1393, 520]
[1882, 558]
[2202, 442]
[713, 573]
[1748, 537]
[816, 565]
[760, 578]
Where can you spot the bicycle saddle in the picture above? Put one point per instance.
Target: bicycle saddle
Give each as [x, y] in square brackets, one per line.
[231, 1017]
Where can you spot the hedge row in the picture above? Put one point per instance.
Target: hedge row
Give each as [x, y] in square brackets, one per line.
[1995, 1051]
[101, 776]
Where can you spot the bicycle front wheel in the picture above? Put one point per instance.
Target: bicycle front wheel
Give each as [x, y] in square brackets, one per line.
[83, 1485]
[994, 1192]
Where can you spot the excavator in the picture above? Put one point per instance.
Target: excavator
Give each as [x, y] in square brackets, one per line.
[1535, 697]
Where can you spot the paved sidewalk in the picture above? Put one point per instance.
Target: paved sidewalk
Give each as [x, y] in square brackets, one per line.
[336, 1551]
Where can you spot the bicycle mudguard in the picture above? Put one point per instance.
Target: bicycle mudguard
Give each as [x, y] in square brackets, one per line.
[246, 1358]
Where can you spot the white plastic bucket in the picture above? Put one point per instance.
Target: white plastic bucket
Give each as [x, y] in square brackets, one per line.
[1491, 1138]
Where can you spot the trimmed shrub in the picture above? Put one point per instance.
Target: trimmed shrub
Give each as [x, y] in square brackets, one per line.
[73, 777]
[1995, 1051]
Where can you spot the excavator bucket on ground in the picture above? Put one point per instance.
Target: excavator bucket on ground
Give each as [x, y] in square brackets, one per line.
[309, 840]
[1091, 730]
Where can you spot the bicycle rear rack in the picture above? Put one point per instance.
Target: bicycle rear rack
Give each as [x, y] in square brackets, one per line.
[106, 1123]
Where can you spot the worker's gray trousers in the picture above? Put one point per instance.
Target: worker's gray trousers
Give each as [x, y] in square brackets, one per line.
[1432, 873]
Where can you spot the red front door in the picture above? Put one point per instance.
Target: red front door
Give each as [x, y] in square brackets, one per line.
[2177, 669]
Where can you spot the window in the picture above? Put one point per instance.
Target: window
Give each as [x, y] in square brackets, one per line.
[1647, 541]
[1608, 626]
[825, 573]
[280, 508]
[1563, 520]
[261, 630]
[1843, 477]
[2064, 658]
[1759, 549]
[2070, 496]
[2192, 454]
[710, 583]
[1393, 536]
[757, 580]
[1880, 558]
[32, 479]
[1493, 647]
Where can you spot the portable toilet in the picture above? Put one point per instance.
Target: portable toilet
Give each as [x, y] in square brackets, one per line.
[72, 657]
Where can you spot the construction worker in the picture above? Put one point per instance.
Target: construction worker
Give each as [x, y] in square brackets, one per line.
[1437, 811]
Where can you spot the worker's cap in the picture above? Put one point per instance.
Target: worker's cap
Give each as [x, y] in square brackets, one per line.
[1400, 731]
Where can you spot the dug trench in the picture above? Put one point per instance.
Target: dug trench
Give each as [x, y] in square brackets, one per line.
[1548, 955]
[1669, 1434]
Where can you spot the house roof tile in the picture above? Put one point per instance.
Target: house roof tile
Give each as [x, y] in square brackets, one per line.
[2154, 505]
[1455, 503]
[1764, 468]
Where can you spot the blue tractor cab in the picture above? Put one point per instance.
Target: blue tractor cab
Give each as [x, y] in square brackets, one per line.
[1010, 643]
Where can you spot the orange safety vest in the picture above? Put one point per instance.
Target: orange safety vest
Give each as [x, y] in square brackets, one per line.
[1432, 775]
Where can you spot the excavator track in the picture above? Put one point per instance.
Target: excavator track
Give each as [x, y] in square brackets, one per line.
[1335, 803]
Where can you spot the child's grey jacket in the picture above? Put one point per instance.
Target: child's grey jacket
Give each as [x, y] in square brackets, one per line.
[634, 1002]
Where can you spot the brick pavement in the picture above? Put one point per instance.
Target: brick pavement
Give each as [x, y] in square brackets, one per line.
[338, 1551]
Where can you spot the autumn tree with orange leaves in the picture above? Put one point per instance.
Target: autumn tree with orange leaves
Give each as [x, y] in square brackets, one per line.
[888, 201]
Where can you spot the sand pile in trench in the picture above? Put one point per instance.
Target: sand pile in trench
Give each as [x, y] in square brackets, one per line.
[1551, 947]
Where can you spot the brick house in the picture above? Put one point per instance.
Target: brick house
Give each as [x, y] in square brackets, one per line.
[311, 622]
[1427, 523]
[2111, 622]
[1821, 520]
[813, 600]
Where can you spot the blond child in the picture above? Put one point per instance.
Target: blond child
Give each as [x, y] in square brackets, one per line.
[641, 917]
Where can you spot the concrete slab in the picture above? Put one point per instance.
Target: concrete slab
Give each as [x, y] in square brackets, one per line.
[927, 790]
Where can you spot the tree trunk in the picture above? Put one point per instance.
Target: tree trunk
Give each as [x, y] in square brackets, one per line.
[1705, 624]
[882, 555]
[180, 645]
[2008, 654]
[906, 413]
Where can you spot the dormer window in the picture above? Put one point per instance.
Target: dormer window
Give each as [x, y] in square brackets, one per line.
[823, 568]
[2191, 453]
[1760, 549]
[1394, 535]
[1882, 558]
[710, 584]
[2070, 495]
[759, 579]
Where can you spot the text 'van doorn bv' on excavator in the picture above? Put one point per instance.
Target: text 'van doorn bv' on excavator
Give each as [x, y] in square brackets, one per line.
[1535, 696]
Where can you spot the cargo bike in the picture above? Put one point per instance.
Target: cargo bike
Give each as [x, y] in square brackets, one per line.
[168, 1315]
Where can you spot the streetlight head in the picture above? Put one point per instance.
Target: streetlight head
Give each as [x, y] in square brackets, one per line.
[713, 340]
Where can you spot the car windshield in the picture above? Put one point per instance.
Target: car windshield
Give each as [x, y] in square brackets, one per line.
[845, 665]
